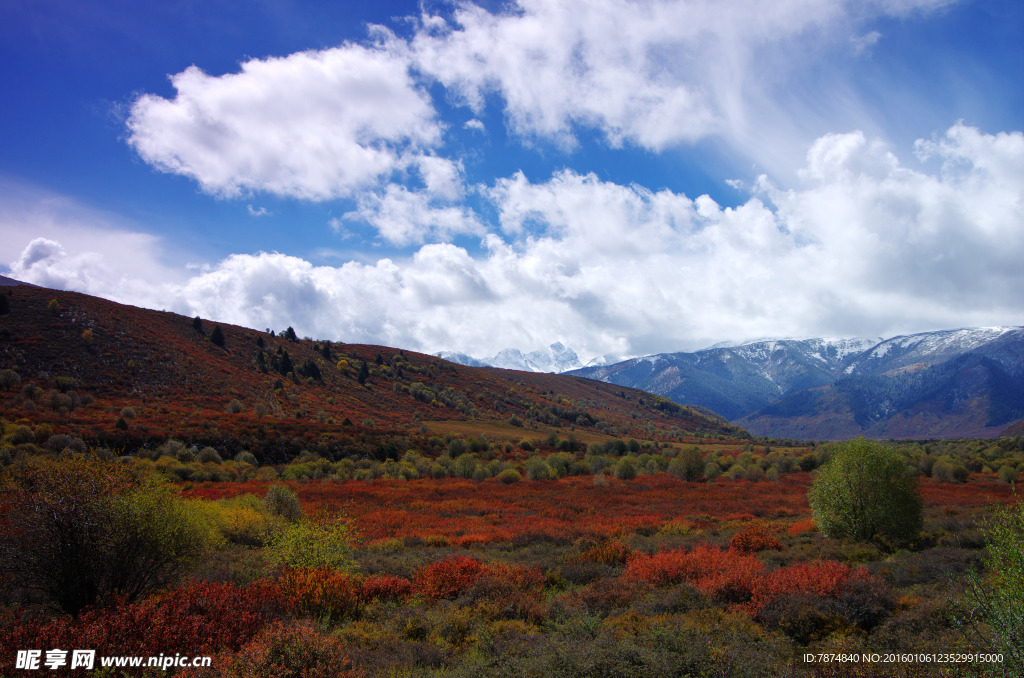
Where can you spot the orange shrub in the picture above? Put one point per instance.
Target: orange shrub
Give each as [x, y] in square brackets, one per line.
[447, 578]
[609, 553]
[753, 538]
[199, 619]
[387, 587]
[323, 592]
[727, 574]
[285, 649]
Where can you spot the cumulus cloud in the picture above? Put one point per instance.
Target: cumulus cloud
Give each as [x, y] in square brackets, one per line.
[115, 265]
[404, 217]
[76, 247]
[865, 245]
[313, 125]
[320, 125]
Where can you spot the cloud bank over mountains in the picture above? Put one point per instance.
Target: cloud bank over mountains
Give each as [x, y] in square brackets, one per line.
[842, 234]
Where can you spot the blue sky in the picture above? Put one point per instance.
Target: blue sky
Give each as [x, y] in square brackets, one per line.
[623, 177]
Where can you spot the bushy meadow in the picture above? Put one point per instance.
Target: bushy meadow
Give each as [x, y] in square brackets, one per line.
[441, 562]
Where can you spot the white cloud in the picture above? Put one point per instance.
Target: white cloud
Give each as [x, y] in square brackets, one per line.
[325, 124]
[442, 177]
[404, 217]
[653, 74]
[51, 240]
[313, 125]
[258, 211]
[910, 244]
[863, 43]
[865, 246]
[111, 264]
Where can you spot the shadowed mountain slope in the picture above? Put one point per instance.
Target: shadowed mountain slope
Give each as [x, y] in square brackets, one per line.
[953, 383]
[124, 376]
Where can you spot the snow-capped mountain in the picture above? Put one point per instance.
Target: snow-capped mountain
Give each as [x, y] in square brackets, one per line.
[930, 347]
[460, 359]
[846, 387]
[557, 358]
[734, 380]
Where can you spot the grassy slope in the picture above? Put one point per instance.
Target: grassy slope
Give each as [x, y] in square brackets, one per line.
[180, 384]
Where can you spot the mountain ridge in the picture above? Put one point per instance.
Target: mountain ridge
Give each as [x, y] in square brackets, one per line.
[122, 376]
[840, 388]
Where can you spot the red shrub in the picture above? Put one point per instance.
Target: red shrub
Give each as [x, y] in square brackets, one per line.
[199, 619]
[801, 526]
[323, 592]
[528, 580]
[282, 650]
[387, 587]
[753, 538]
[824, 578]
[447, 578]
[609, 553]
[604, 595]
[451, 577]
[726, 574]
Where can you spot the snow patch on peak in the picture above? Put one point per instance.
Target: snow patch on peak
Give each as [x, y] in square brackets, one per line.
[556, 358]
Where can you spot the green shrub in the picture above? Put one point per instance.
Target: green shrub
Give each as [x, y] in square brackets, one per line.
[465, 463]
[995, 600]
[209, 455]
[60, 442]
[244, 520]
[509, 476]
[538, 469]
[625, 469]
[280, 500]
[865, 491]
[247, 458]
[323, 542]
[20, 435]
[82, 529]
[688, 464]
[9, 378]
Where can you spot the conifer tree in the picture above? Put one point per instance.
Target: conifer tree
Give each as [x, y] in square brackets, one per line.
[217, 336]
[285, 366]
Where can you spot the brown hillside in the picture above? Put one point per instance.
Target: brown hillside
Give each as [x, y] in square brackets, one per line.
[123, 376]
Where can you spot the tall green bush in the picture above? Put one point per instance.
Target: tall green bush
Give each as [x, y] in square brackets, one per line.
[996, 613]
[80, 530]
[865, 492]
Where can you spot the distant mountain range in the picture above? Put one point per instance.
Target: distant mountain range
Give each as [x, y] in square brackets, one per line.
[557, 358]
[965, 382]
